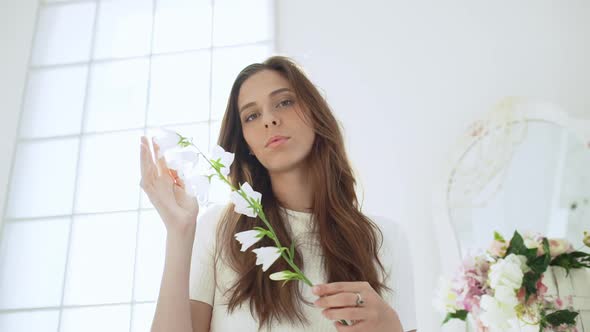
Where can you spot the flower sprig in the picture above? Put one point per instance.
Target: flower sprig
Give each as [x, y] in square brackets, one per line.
[246, 201]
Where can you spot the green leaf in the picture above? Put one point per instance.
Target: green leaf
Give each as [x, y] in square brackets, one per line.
[499, 237]
[573, 260]
[540, 264]
[459, 314]
[517, 247]
[263, 232]
[529, 281]
[562, 317]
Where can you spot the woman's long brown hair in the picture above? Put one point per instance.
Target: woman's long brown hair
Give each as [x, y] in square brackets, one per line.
[349, 240]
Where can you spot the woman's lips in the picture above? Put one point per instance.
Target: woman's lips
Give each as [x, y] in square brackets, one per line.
[277, 142]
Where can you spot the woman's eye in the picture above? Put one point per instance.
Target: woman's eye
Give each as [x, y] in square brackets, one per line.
[251, 117]
[285, 103]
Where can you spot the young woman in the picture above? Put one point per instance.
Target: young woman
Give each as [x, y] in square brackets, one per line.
[289, 147]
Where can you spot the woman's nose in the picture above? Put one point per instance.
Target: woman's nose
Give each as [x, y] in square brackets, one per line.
[271, 120]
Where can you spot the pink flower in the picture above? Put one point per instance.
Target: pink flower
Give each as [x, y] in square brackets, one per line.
[470, 283]
[559, 303]
[541, 288]
[498, 248]
[559, 246]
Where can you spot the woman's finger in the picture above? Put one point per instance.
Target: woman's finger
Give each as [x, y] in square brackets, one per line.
[356, 326]
[146, 161]
[345, 313]
[161, 162]
[174, 174]
[345, 299]
[180, 183]
[341, 286]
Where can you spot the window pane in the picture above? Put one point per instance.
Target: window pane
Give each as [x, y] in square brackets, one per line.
[124, 28]
[64, 33]
[179, 88]
[43, 180]
[54, 102]
[182, 25]
[99, 319]
[143, 315]
[109, 172]
[214, 134]
[151, 251]
[241, 22]
[32, 262]
[101, 258]
[38, 321]
[227, 64]
[117, 95]
[198, 132]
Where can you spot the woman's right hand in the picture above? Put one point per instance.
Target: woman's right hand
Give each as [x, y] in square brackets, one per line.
[166, 191]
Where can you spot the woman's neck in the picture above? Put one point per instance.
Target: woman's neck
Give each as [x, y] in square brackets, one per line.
[293, 190]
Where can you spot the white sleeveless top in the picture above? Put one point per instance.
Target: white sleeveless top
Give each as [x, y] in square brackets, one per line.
[394, 256]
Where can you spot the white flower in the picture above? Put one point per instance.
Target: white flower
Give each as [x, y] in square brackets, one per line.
[248, 238]
[181, 159]
[284, 275]
[266, 256]
[241, 205]
[506, 296]
[166, 140]
[195, 183]
[224, 157]
[446, 299]
[531, 243]
[495, 315]
[559, 246]
[508, 272]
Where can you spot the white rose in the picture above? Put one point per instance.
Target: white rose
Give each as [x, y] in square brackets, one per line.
[506, 296]
[495, 315]
[559, 246]
[508, 272]
[531, 243]
[446, 299]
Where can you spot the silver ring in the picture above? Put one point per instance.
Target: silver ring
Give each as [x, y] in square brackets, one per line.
[359, 299]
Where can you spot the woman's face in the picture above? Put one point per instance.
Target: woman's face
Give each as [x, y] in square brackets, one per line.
[272, 122]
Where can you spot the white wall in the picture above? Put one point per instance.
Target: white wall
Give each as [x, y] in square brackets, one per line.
[406, 78]
[17, 18]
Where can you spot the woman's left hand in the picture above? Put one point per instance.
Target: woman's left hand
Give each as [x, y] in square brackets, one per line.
[340, 301]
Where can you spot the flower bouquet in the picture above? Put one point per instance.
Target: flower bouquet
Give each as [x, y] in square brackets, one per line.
[504, 288]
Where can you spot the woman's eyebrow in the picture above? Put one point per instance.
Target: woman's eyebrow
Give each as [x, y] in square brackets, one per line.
[270, 95]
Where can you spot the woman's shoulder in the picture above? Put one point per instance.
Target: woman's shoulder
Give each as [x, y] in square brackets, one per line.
[208, 220]
[211, 214]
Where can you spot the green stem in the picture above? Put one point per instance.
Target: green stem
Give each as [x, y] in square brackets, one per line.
[262, 216]
[283, 254]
